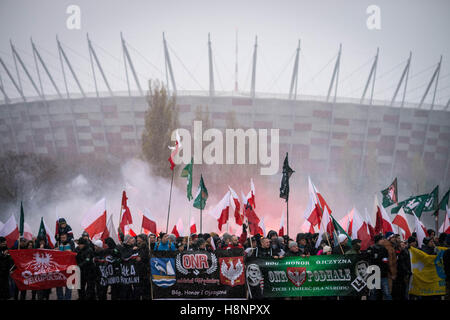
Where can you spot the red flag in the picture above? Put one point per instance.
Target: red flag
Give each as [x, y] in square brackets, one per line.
[39, 269]
[253, 220]
[402, 223]
[192, 227]
[94, 220]
[178, 228]
[126, 214]
[237, 207]
[10, 231]
[174, 151]
[221, 211]
[131, 233]
[147, 222]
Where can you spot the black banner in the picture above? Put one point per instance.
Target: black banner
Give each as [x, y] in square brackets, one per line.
[198, 274]
[117, 271]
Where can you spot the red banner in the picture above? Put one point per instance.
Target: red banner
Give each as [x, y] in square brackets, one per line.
[38, 269]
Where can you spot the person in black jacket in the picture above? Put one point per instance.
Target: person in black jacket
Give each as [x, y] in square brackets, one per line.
[264, 250]
[378, 255]
[293, 250]
[6, 263]
[128, 252]
[143, 268]
[63, 227]
[446, 262]
[112, 255]
[400, 284]
[99, 261]
[85, 260]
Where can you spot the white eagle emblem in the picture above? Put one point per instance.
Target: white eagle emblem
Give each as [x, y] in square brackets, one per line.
[43, 263]
[231, 272]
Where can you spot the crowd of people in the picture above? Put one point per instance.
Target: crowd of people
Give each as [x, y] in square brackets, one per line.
[387, 251]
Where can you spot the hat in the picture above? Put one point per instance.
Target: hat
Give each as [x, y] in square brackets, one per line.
[82, 241]
[326, 249]
[85, 234]
[61, 220]
[411, 240]
[377, 238]
[342, 238]
[98, 243]
[355, 241]
[388, 234]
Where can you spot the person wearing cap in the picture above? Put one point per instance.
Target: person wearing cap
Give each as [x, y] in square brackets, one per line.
[85, 260]
[356, 247]
[343, 246]
[63, 227]
[379, 255]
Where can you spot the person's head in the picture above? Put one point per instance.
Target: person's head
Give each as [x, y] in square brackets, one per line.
[201, 243]
[3, 244]
[412, 242]
[110, 243]
[377, 238]
[429, 242]
[301, 239]
[30, 244]
[85, 235]
[272, 235]
[82, 243]
[342, 238]
[129, 240]
[403, 245]
[63, 237]
[141, 239]
[152, 238]
[98, 245]
[431, 233]
[62, 223]
[164, 238]
[394, 239]
[180, 246]
[226, 239]
[442, 238]
[356, 244]
[265, 243]
[327, 250]
[293, 246]
[234, 240]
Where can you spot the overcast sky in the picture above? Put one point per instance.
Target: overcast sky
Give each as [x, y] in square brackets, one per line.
[420, 26]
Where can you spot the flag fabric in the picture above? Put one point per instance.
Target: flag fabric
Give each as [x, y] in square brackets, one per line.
[27, 233]
[390, 194]
[401, 221]
[148, 223]
[10, 231]
[177, 229]
[281, 230]
[131, 232]
[431, 203]
[221, 211]
[94, 220]
[338, 230]
[444, 202]
[428, 277]
[420, 230]
[360, 230]
[316, 205]
[192, 226]
[21, 220]
[40, 269]
[201, 196]
[445, 227]
[370, 226]
[252, 194]
[346, 220]
[110, 232]
[383, 222]
[174, 151]
[252, 219]
[45, 233]
[411, 205]
[236, 205]
[326, 226]
[126, 213]
[187, 173]
[307, 227]
[261, 227]
[287, 172]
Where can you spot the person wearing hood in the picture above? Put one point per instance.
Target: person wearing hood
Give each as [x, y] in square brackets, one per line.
[112, 255]
[428, 246]
[99, 260]
[302, 244]
[143, 268]
[129, 251]
[342, 246]
[85, 260]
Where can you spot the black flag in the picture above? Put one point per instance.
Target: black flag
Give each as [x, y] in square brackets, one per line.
[287, 171]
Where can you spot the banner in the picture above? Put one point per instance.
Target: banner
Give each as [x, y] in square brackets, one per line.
[39, 269]
[327, 275]
[117, 271]
[198, 274]
[428, 275]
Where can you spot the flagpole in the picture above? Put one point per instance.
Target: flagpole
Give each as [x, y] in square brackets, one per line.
[287, 216]
[201, 222]
[170, 198]
[189, 225]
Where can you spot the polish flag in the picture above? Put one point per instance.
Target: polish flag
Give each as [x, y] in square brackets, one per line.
[316, 205]
[27, 233]
[307, 227]
[174, 151]
[178, 228]
[126, 213]
[110, 231]
[192, 226]
[345, 222]
[326, 225]
[261, 227]
[236, 205]
[445, 227]
[281, 231]
[221, 211]
[131, 232]
[383, 222]
[252, 219]
[50, 238]
[401, 221]
[148, 223]
[94, 220]
[369, 226]
[10, 231]
[252, 194]
[360, 230]
[420, 230]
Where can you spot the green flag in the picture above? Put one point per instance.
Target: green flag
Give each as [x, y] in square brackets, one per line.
[444, 201]
[201, 196]
[431, 204]
[390, 194]
[21, 220]
[339, 230]
[411, 205]
[42, 234]
[187, 173]
[287, 172]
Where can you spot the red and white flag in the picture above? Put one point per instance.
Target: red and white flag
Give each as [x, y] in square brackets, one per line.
[262, 227]
[178, 228]
[307, 227]
[27, 233]
[10, 231]
[383, 222]
[360, 230]
[421, 231]
[174, 150]
[221, 211]
[345, 222]
[40, 269]
[192, 226]
[236, 205]
[326, 225]
[445, 227]
[110, 231]
[316, 205]
[126, 218]
[401, 221]
[94, 220]
[148, 223]
[281, 230]
[252, 194]
[50, 238]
